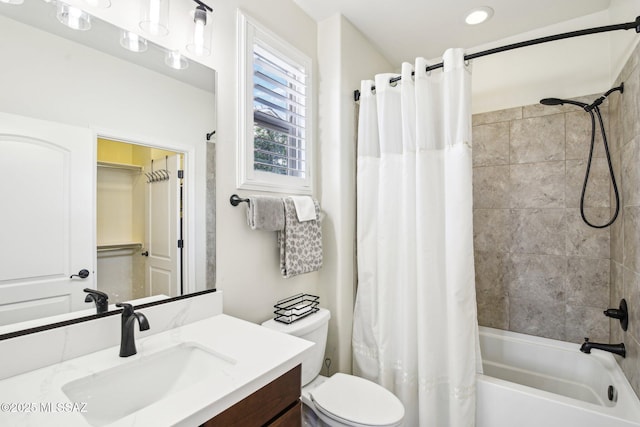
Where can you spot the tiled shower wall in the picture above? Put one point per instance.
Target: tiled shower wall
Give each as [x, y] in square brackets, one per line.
[625, 233]
[539, 269]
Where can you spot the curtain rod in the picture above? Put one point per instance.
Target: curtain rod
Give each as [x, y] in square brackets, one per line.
[626, 26]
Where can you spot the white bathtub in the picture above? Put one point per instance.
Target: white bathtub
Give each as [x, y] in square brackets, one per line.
[531, 382]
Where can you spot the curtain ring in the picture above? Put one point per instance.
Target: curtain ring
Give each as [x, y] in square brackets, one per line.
[467, 62]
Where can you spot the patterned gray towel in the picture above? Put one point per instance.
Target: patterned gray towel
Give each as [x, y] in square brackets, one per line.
[300, 242]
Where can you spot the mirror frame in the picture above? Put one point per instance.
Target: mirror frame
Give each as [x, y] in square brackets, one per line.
[70, 322]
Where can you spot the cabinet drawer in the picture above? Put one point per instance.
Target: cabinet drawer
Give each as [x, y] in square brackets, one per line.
[265, 405]
[291, 418]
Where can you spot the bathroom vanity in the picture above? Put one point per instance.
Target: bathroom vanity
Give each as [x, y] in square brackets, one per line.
[276, 404]
[200, 367]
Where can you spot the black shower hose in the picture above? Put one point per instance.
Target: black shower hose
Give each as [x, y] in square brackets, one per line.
[611, 174]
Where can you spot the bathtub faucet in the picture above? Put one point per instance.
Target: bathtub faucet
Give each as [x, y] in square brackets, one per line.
[611, 348]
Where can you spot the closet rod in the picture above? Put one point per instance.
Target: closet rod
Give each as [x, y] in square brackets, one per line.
[626, 26]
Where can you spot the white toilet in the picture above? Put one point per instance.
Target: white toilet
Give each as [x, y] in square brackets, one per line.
[340, 400]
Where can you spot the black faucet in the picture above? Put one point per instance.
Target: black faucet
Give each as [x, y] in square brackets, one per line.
[611, 348]
[127, 341]
[100, 298]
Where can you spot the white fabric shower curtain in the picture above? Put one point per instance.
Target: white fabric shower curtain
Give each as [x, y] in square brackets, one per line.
[415, 325]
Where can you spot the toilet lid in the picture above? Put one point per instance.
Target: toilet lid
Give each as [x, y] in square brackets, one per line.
[358, 401]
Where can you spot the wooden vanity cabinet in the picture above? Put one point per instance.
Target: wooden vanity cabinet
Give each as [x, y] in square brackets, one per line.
[276, 405]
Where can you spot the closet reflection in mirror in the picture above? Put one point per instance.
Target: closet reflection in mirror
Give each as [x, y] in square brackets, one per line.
[139, 227]
[64, 87]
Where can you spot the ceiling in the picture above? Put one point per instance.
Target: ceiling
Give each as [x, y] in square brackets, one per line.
[405, 29]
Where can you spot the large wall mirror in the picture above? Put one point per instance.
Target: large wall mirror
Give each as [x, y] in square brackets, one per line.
[108, 181]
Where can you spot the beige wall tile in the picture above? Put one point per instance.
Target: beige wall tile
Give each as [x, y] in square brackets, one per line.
[598, 192]
[578, 128]
[537, 277]
[538, 185]
[492, 230]
[630, 107]
[587, 281]
[630, 172]
[537, 318]
[631, 230]
[491, 144]
[491, 186]
[538, 139]
[497, 116]
[587, 322]
[585, 241]
[539, 268]
[539, 231]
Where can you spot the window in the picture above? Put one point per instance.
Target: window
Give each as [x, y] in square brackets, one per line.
[275, 148]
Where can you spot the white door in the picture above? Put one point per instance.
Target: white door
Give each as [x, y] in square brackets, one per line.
[163, 224]
[47, 217]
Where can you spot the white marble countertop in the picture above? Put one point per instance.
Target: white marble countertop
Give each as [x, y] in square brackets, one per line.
[260, 355]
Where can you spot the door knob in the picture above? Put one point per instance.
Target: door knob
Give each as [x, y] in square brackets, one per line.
[145, 253]
[83, 274]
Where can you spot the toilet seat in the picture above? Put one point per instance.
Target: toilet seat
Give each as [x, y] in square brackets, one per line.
[357, 402]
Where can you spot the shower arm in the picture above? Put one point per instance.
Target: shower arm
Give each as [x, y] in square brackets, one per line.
[600, 100]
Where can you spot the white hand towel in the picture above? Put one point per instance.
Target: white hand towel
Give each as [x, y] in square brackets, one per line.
[305, 208]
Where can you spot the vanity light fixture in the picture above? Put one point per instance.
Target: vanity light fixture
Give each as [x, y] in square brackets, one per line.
[478, 15]
[200, 42]
[133, 42]
[155, 17]
[175, 60]
[12, 1]
[72, 17]
[99, 4]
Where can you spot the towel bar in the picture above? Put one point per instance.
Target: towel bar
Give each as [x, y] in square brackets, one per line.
[235, 200]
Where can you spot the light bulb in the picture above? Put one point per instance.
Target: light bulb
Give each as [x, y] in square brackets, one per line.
[100, 4]
[72, 17]
[175, 60]
[132, 41]
[478, 15]
[200, 44]
[155, 17]
[198, 36]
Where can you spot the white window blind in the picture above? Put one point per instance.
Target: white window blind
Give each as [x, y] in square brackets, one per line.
[279, 110]
[275, 126]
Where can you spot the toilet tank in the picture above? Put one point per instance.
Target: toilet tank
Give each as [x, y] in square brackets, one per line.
[312, 328]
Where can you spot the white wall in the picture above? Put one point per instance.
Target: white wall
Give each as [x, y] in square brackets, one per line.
[345, 57]
[247, 261]
[47, 77]
[564, 69]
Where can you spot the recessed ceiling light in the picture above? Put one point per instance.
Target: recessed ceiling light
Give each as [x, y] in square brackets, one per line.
[478, 15]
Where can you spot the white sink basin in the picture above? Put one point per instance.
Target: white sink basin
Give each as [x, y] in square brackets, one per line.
[114, 393]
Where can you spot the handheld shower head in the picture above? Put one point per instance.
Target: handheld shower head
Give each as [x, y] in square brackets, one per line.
[558, 101]
[551, 101]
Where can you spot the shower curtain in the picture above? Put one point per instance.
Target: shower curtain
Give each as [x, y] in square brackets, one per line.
[415, 325]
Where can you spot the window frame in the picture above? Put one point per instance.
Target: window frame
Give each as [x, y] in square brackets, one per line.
[250, 32]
